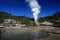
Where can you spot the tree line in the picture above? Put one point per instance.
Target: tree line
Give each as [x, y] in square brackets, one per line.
[55, 18]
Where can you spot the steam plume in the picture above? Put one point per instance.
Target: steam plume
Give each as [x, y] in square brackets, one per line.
[35, 8]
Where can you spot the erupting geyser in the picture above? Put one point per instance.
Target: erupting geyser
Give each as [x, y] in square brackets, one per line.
[35, 8]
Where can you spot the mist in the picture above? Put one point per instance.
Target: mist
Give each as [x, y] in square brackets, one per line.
[35, 8]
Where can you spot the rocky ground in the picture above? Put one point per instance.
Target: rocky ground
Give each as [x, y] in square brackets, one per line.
[17, 33]
[51, 37]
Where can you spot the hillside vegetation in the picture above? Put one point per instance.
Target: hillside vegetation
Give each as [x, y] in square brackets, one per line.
[30, 21]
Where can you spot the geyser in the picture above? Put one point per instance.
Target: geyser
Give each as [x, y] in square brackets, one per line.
[35, 8]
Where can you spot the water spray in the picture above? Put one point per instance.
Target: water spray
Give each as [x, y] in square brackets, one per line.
[35, 8]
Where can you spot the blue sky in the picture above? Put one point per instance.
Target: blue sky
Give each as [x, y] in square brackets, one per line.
[20, 7]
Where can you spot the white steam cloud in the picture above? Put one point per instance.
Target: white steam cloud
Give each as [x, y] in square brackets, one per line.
[35, 8]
